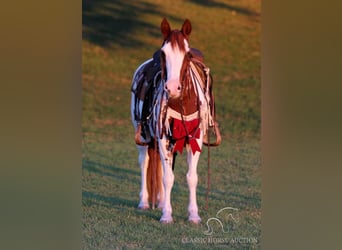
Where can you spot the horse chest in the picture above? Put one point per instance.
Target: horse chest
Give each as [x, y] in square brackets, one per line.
[187, 104]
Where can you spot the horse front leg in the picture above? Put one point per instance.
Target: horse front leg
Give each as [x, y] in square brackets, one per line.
[192, 179]
[143, 163]
[168, 180]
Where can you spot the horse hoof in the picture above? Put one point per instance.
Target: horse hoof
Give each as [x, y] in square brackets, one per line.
[165, 221]
[195, 220]
[143, 206]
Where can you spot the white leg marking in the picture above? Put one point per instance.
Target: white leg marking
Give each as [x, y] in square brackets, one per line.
[143, 162]
[192, 179]
[168, 180]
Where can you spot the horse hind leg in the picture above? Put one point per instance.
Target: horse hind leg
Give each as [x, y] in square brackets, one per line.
[143, 162]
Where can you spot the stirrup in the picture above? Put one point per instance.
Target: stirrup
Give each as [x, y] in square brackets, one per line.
[216, 132]
[137, 137]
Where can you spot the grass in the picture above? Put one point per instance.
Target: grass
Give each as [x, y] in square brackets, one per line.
[117, 37]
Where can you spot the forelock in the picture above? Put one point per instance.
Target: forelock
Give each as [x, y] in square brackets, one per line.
[177, 39]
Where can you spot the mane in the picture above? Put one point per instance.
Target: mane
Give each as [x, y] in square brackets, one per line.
[176, 38]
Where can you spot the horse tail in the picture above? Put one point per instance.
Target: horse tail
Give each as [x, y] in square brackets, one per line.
[154, 174]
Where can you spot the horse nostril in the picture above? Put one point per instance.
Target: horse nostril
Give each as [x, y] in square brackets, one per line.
[179, 88]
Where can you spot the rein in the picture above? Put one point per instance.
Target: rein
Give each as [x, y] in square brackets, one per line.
[207, 132]
[187, 79]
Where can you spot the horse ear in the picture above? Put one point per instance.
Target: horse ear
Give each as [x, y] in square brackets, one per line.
[186, 28]
[165, 28]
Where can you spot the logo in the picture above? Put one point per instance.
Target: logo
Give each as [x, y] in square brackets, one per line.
[225, 219]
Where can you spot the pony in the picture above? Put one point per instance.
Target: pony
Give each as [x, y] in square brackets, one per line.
[172, 108]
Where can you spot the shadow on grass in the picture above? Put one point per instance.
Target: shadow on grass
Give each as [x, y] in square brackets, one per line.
[116, 202]
[105, 22]
[107, 170]
[216, 4]
[233, 199]
[91, 199]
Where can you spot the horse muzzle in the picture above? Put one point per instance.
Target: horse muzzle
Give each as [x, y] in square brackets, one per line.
[173, 88]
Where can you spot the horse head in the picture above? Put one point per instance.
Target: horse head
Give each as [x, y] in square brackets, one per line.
[173, 51]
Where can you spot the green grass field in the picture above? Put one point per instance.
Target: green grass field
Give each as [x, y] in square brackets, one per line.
[117, 37]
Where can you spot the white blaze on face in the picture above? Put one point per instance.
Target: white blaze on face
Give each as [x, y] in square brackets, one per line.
[173, 62]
